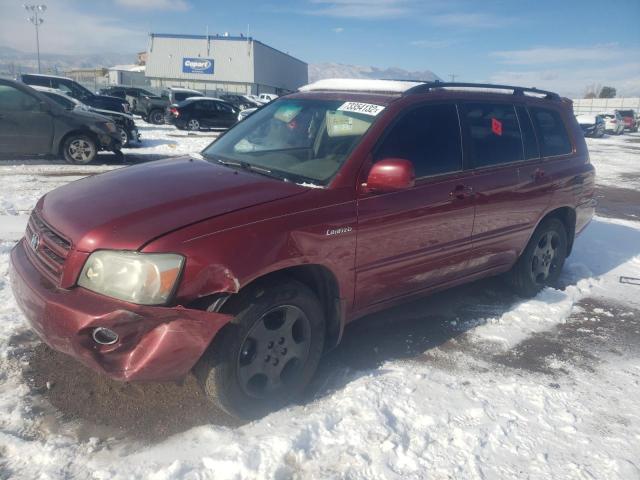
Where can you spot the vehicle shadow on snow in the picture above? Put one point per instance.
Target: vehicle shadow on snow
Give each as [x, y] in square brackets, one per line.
[153, 411]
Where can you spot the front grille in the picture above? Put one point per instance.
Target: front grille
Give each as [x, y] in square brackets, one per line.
[46, 248]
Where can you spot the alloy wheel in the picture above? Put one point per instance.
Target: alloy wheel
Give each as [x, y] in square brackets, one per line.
[193, 124]
[544, 258]
[81, 151]
[124, 138]
[274, 351]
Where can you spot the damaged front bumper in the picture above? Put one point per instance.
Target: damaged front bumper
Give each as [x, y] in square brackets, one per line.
[154, 343]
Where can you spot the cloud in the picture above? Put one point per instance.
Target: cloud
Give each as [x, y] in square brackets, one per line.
[68, 33]
[177, 5]
[471, 20]
[548, 55]
[338, 29]
[360, 8]
[571, 82]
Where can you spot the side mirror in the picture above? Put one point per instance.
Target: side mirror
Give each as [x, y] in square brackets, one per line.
[45, 107]
[391, 175]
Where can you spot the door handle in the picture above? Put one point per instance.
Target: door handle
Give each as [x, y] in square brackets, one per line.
[461, 192]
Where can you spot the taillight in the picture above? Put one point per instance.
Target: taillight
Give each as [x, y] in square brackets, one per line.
[174, 112]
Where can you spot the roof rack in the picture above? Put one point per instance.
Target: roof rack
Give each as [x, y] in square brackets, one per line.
[428, 86]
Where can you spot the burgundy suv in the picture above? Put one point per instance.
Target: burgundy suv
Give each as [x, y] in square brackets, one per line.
[342, 199]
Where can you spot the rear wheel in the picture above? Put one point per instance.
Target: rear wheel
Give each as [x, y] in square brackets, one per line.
[156, 117]
[193, 125]
[79, 149]
[542, 260]
[268, 353]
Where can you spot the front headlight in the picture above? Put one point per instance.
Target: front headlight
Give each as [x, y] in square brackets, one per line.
[109, 127]
[143, 278]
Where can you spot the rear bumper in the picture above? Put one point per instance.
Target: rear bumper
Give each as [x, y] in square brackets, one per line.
[584, 214]
[155, 343]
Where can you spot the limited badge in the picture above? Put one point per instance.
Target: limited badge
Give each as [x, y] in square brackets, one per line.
[364, 108]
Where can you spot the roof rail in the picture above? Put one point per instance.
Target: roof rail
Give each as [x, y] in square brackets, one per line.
[428, 86]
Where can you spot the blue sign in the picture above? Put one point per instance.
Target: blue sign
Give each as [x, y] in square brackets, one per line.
[197, 65]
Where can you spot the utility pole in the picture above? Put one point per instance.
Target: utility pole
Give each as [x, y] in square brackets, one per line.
[36, 19]
[452, 76]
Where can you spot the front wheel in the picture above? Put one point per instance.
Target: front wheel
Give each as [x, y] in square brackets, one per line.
[268, 353]
[542, 260]
[79, 149]
[124, 136]
[156, 117]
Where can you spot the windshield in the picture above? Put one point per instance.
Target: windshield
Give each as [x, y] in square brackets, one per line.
[296, 140]
[74, 90]
[60, 100]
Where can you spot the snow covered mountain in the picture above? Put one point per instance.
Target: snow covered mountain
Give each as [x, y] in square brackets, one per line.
[13, 61]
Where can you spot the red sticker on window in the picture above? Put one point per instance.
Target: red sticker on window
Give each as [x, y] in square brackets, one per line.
[496, 126]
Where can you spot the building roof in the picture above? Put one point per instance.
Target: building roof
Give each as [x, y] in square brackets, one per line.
[232, 38]
[128, 68]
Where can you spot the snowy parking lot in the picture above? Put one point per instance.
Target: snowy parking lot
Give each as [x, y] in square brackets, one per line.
[473, 383]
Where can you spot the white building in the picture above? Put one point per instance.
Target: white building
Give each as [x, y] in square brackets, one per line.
[222, 63]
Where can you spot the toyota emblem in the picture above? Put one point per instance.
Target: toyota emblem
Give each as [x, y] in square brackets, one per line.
[34, 241]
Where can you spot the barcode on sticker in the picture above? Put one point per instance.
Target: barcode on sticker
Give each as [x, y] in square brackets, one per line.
[364, 108]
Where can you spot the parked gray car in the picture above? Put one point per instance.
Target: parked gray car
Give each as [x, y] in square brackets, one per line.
[32, 124]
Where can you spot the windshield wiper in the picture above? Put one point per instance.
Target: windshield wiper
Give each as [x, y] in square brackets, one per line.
[245, 166]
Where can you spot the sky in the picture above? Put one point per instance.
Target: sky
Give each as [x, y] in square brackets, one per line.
[563, 45]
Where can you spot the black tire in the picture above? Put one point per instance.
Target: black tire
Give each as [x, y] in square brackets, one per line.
[251, 369]
[156, 117]
[541, 262]
[193, 125]
[124, 137]
[79, 149]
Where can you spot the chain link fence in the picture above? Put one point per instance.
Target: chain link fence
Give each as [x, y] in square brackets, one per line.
[602, 105]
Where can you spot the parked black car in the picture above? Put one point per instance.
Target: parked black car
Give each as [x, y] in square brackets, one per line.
[32, 124]
[198, 113]
[75, 90]
[130, 94]
[153, 108]
[592, 125]
[239, 101]
[124, 122]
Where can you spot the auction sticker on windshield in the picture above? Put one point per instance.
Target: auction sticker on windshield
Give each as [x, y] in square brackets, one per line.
[365, 108]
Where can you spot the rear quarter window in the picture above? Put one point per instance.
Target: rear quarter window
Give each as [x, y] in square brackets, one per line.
[494, 133]
[552, 132]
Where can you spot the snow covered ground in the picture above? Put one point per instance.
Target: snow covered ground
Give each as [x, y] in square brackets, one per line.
[617, 159]
[470, 384]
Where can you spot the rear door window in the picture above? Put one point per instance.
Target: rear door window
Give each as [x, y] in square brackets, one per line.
[429, 137]
[180, 96]
[552, 133]
[39, 81]
[494, 133]
[14, 100]
[529, 141]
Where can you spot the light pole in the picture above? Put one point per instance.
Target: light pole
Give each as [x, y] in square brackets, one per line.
[36, 19]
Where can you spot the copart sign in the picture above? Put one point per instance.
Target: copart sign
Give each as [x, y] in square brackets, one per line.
[197, 65]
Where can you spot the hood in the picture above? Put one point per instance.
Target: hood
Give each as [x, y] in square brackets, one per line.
[88, 115]
[111, 113]
[127, 208]
[109, 98]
